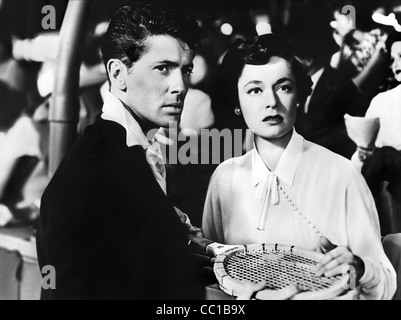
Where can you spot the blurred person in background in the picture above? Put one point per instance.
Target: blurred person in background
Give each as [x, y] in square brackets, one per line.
[24, 132]
[44, 49]
[361, 55]
[223, 106]
[92, 77]
[341, 25]
[382, 161]
[197, 113]
[11, 71]
[22, 147]
[321, 118]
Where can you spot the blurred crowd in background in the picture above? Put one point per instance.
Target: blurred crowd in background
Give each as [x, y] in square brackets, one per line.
[348, 58]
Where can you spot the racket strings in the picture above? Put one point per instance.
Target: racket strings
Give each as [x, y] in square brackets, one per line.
[278, 268]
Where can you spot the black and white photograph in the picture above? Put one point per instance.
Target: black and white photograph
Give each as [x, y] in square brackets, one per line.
[202, 155]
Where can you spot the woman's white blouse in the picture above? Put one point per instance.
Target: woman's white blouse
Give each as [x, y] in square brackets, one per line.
[243, 206]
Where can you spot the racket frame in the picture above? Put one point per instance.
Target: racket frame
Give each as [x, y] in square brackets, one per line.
[235, 287]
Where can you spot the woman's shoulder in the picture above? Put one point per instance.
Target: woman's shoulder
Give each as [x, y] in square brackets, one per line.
[329, 160]
[382, 101]
[386, 95]
[236, 162]
[235, 165]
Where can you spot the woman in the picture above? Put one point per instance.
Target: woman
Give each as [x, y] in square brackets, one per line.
[288, 190]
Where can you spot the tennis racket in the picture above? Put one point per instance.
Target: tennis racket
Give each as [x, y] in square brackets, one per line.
[279, 265]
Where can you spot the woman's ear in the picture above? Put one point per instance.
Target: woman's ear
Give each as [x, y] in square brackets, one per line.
[237, 111]
[117, 74]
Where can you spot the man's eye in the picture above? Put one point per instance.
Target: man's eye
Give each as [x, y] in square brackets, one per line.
[254, 91]
[187, 72]
[162, 68]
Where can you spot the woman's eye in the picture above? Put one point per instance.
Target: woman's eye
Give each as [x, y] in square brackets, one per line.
[254, 91]
[284, 88]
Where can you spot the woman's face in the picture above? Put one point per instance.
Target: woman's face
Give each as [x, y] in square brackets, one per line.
[268, 98]
[396, 58]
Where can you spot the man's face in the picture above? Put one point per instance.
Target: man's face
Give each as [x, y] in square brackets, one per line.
[396, 57]
[158, 82]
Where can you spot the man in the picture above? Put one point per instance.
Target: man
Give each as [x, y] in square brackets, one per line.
[106, 224]
[321, 119]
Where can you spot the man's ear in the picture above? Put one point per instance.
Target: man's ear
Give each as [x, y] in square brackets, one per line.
[117, 73]
[309, 62]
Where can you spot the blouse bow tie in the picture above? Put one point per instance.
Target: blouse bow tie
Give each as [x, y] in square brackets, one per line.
[267, 191]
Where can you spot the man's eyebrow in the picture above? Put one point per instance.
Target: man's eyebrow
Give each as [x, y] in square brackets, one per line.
[166, 62]
[174, 64]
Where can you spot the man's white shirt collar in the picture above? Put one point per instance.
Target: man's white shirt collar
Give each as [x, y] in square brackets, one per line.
[114, 110]
[315, 79]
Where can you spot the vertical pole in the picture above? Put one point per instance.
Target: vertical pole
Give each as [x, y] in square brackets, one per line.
[64, 105]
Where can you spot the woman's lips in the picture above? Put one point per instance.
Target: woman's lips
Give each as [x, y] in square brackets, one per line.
[273, 120]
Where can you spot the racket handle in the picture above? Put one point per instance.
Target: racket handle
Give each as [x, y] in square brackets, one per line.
[210, 248]
[200, 245]
[203, 260]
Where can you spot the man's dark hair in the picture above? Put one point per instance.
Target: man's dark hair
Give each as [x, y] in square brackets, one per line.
[313, 44]
[131, 25]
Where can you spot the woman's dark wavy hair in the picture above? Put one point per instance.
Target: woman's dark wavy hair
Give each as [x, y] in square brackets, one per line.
[257, 51]
[131, 25]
